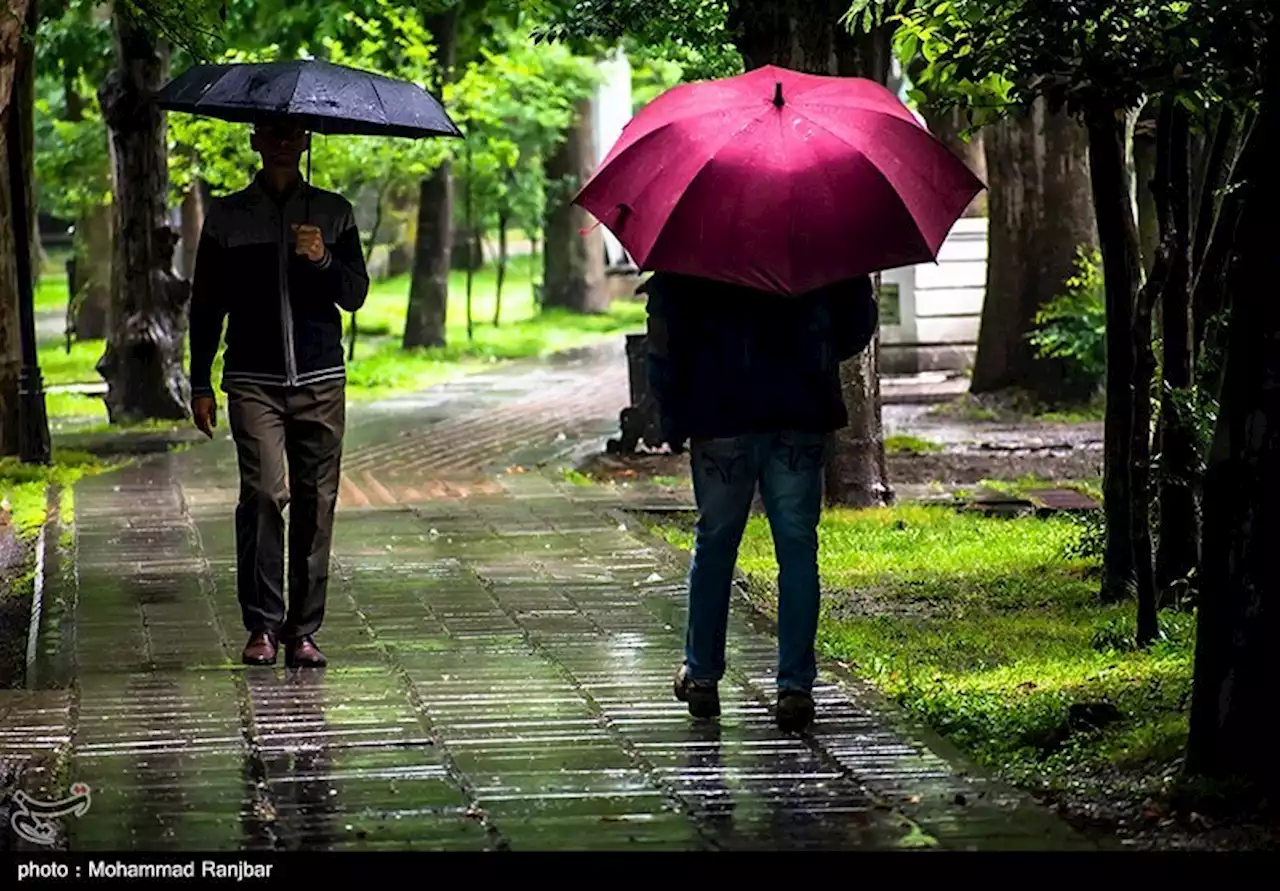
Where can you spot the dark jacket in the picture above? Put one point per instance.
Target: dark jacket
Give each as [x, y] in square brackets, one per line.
[726, 361]
[283, 325]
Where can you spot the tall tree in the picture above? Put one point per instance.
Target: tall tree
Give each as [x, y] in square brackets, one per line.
[73, 168]
[1040, 214]
[433, 251]
[573, 253]
[17, 84]
[143, 361]
[1144, 169]
[1179, 540]
[72, 163]
[1111, 59]
[1238, 630]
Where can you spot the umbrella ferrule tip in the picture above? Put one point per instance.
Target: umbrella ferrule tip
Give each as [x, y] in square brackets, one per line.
[777, 95]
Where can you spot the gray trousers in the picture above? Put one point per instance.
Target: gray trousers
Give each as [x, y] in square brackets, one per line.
[289, 444]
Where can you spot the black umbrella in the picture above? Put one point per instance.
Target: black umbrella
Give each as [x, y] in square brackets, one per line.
[321, 96]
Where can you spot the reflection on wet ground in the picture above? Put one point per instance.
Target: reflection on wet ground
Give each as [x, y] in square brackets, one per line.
[500, 670]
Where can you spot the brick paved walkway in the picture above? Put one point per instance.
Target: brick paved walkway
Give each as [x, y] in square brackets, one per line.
[501, 654]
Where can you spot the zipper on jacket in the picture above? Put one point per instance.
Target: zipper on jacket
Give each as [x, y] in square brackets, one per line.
[286, 311]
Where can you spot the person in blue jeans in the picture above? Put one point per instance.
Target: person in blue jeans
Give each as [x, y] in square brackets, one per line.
[750, 380]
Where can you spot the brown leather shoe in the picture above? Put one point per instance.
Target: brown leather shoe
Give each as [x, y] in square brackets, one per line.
[261, 650]
[303, 653]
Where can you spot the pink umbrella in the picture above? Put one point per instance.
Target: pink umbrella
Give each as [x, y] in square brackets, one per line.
[779, 181]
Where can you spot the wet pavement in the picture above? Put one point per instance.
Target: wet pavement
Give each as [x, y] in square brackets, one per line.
[501, 653]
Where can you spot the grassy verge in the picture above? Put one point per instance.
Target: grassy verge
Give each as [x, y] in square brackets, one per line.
[1023, 486]
[907, 444]
[989, 630]
[24, 506]
[1011, 406]
[23, 486]
[381, 368]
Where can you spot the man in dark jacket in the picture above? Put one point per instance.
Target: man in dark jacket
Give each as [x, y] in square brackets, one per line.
[752, 381]
[276, 262]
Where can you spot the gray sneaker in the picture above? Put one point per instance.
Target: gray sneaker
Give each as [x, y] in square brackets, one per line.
[795, 710]
[703, 697]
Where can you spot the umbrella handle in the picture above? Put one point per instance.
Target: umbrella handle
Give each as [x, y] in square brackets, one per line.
[308, 184]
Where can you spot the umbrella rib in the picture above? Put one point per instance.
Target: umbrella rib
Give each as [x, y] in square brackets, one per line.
[696, 108]
[890, 120]
[382, 102]
[880, 173]
[700, 172]
[710, 156]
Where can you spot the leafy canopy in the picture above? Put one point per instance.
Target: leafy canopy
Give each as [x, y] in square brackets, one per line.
[694, 34]
[1077, 54]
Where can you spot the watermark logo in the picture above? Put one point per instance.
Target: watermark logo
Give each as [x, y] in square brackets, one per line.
[36, 821]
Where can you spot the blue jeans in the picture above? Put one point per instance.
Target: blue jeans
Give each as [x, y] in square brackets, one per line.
[788, 468]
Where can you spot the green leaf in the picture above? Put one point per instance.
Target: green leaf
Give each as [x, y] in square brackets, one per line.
[909, 47]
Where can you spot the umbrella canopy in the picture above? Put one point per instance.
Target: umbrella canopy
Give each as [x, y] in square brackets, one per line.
[320, 96]
[779, 181]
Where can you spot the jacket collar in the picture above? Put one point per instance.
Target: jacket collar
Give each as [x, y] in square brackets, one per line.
[262, 192]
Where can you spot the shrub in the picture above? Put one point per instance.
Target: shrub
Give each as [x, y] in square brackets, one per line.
[1073, 326]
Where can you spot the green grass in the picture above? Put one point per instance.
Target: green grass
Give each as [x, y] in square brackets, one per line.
[51, 289]
[906, 444]
[990, 631]
[576, 477]
[381, 368]
[1023, 485]
[23, 486]
[1014, 405]
[1091, 413]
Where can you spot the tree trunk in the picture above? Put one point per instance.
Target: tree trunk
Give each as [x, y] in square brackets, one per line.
[1144, 165]
[1208, 290]
[472, 237]
[143, 362]
[95, 247]
[1139, 449]
[402, 210]
[535, 286]
[573, 263]
[427, 314]
[1179, 542]
[193, 211]
[374, 232]
[1237, 640]
[73, 102]
[502, 267]
[858, 475]
[948, 126]
[1205, 200]
[1041, 214]
[468, 248]
[1122, 270]
[17, 78]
